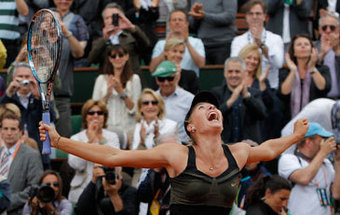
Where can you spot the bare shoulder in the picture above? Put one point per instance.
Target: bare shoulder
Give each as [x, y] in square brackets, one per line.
[240, 151]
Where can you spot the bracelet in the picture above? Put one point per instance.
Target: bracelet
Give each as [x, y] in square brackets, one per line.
[123, 96]
[57, 143]
[69, 35]
[314, 71]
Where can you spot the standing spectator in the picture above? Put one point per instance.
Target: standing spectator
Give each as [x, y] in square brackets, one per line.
[58, 206]
[241, 106]
[23, 91]
[194, 55]
[269, 196]
[119, 88]
[94, 118]
[288, 18]
[145, 15]
[177, 100]
[329, 50]
[270, 44]
[304, 80]
[75, 37]
[9, 26]
[214, 23]
[314, 176]
[125, 34]
[19, 163]
[107, 197]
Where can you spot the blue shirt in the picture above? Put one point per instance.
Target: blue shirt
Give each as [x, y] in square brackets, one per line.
[177, 106]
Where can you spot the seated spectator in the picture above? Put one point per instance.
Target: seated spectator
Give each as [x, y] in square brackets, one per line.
[5, 194]
[3, 55]
[241, 106]
[314, 176]
[288, 18]
[270, 44]
[120, 88]
[250, 174]
[329, 50]
[177, 100]
[23, 91]
[107, 197]
[145, 14]
[50, 202]
[19, 163]
[151, 124]
[304, 80]
[94, 118]
[256, 78]
[9, 30]
[125, 34]
[174, 51]
[269, 196]
[214, 22]
[194, 54]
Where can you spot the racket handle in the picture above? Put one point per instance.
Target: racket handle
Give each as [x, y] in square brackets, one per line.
[46, 150]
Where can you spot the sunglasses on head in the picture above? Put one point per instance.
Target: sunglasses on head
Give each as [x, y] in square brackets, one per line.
[119, 54]
[55, 184]
[146, 102]
[332, 27]
[92, 112]
[169, 78]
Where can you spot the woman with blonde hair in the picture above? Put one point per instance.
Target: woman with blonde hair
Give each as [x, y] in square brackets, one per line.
[94, 117]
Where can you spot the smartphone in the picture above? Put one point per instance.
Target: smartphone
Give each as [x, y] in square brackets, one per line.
[115, 19]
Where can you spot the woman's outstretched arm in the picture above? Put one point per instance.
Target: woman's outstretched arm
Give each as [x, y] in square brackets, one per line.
[272, 148]
[156, 157]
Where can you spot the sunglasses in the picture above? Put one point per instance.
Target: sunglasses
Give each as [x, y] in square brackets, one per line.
[331, 27]
[92, 112]
[119, 54]
[146, 102]
[169, 78]
[55, 184]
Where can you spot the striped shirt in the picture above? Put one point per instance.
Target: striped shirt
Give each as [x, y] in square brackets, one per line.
[9, 21]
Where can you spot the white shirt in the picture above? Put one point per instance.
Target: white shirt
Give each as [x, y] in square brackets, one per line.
[303, 200]
[286, 25]
[318, 110]
[187, 61]
[275, 51]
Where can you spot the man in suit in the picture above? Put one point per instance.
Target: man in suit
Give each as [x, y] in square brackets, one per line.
[23, 91]
[19, 162]
[242, 106]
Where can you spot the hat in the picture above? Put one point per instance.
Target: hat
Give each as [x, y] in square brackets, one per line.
[165, 69]
[317, 129]
[203, 96]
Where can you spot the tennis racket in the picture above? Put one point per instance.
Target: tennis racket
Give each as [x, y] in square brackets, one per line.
[44, 44]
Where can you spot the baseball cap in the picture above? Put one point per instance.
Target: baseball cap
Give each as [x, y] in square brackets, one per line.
[317, 129]
[165, 69]
[203, 96]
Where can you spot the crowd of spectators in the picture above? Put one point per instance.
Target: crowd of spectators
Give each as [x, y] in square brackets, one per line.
[284, 67]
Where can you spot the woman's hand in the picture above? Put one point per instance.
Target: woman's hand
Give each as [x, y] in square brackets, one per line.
[301, 127]
[117, 85]
[156, 129]
[52, 133]
[142, 134]
[92, 131]
[263, 78]
[313, 59]
[291, 65]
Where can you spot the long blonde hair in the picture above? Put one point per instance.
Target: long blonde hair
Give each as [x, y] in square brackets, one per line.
[246, 51]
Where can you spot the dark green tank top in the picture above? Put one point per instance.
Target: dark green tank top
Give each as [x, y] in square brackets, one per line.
[194, 188]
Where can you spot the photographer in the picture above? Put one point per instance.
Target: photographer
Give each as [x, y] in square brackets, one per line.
[44, 200]
[107, 194]
[23, 91]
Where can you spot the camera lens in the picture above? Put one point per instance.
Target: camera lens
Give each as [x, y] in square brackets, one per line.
[46, 194]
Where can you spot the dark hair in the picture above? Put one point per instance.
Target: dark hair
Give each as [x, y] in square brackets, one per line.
[109, 69]
[247, 6]
[60, 181]
[274, 183]
[12, 117]
[291, 50]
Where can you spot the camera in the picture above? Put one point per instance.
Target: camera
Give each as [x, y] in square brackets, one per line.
[44, 193]
[110, 175]
[115, 19]
[24, 82]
